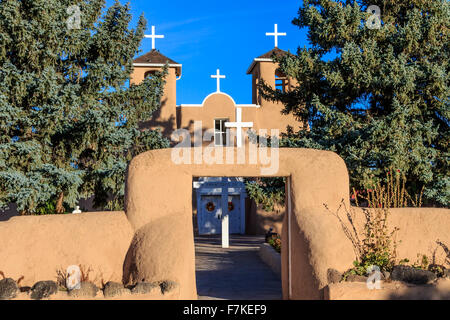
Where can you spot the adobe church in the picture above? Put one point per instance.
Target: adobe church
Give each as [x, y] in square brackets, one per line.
[218, 112]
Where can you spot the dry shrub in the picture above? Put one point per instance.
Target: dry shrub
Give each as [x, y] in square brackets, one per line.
[374, 244]
[446, 250]
[18, 280]
[392, 194]
[61, 276]
[85, 272]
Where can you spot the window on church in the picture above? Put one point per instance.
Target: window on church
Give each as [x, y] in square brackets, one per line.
[149, 74]
[281, 81]
[220, 132]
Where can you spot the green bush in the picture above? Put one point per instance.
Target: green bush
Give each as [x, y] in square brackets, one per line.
[275, 242]
[49, 207]
[266, 191]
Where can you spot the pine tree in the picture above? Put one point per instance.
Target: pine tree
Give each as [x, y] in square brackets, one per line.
[374, 87]
[68, 119]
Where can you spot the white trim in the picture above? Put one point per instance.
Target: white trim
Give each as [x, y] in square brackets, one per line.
[249, 70]
[160, 65]
[177, 65]
[263, 59]
[248, 106]
[191, 105]
[223, 93]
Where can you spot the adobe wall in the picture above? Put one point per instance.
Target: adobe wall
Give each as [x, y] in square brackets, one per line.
[269, 115]
[164, 117]
[37, 246]
[217, 105]
[158, 188]
[389, 291]
[419, 228]
[153, 240]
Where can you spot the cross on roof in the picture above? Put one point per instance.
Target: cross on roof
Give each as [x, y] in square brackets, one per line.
[276, 34]
[218, 76]
[153, 36]
[239, 125]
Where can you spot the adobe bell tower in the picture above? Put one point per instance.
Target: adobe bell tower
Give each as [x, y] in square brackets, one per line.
[144, 66]
[264, 68]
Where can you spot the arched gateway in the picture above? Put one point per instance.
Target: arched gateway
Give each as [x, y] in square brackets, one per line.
[159, 208]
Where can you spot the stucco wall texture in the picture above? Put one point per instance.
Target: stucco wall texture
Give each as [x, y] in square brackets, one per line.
[157, 187]
[37, 246]
[153, 239]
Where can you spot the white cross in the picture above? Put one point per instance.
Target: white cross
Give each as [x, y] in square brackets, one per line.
[276, 34]
[218, 76]
[239, 125]
[153, 36]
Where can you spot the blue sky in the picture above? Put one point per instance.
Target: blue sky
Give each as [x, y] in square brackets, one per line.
[206, 35]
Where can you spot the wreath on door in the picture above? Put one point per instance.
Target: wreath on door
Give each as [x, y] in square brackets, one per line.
[210, 206]
[230, 206]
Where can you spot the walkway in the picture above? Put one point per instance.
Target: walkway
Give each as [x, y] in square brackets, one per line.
[233, 273]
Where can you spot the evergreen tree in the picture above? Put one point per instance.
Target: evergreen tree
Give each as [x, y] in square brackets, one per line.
[374, 87]
[68, 120]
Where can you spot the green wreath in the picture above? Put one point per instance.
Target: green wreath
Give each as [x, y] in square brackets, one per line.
[210, 206]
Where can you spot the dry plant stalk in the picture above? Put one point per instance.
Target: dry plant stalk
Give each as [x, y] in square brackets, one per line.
[350, 233]
[391, 195]
[446, 250]
[19, 280]
[374, 245]
[85, 272]
[61, 277]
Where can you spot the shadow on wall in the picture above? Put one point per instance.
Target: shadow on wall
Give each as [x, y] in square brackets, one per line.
[167, 126]
[259, 221]
[429, 292]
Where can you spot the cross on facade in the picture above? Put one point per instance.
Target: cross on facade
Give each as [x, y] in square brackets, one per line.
[153, 36]
[239, 125]
[276, 34]
[218, 76]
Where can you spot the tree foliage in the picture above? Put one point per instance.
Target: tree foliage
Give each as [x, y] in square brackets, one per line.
[377, 97]
[68, 120]
[266, 191]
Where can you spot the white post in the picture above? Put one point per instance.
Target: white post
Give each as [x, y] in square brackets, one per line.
[77, 210]
[225, 220]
